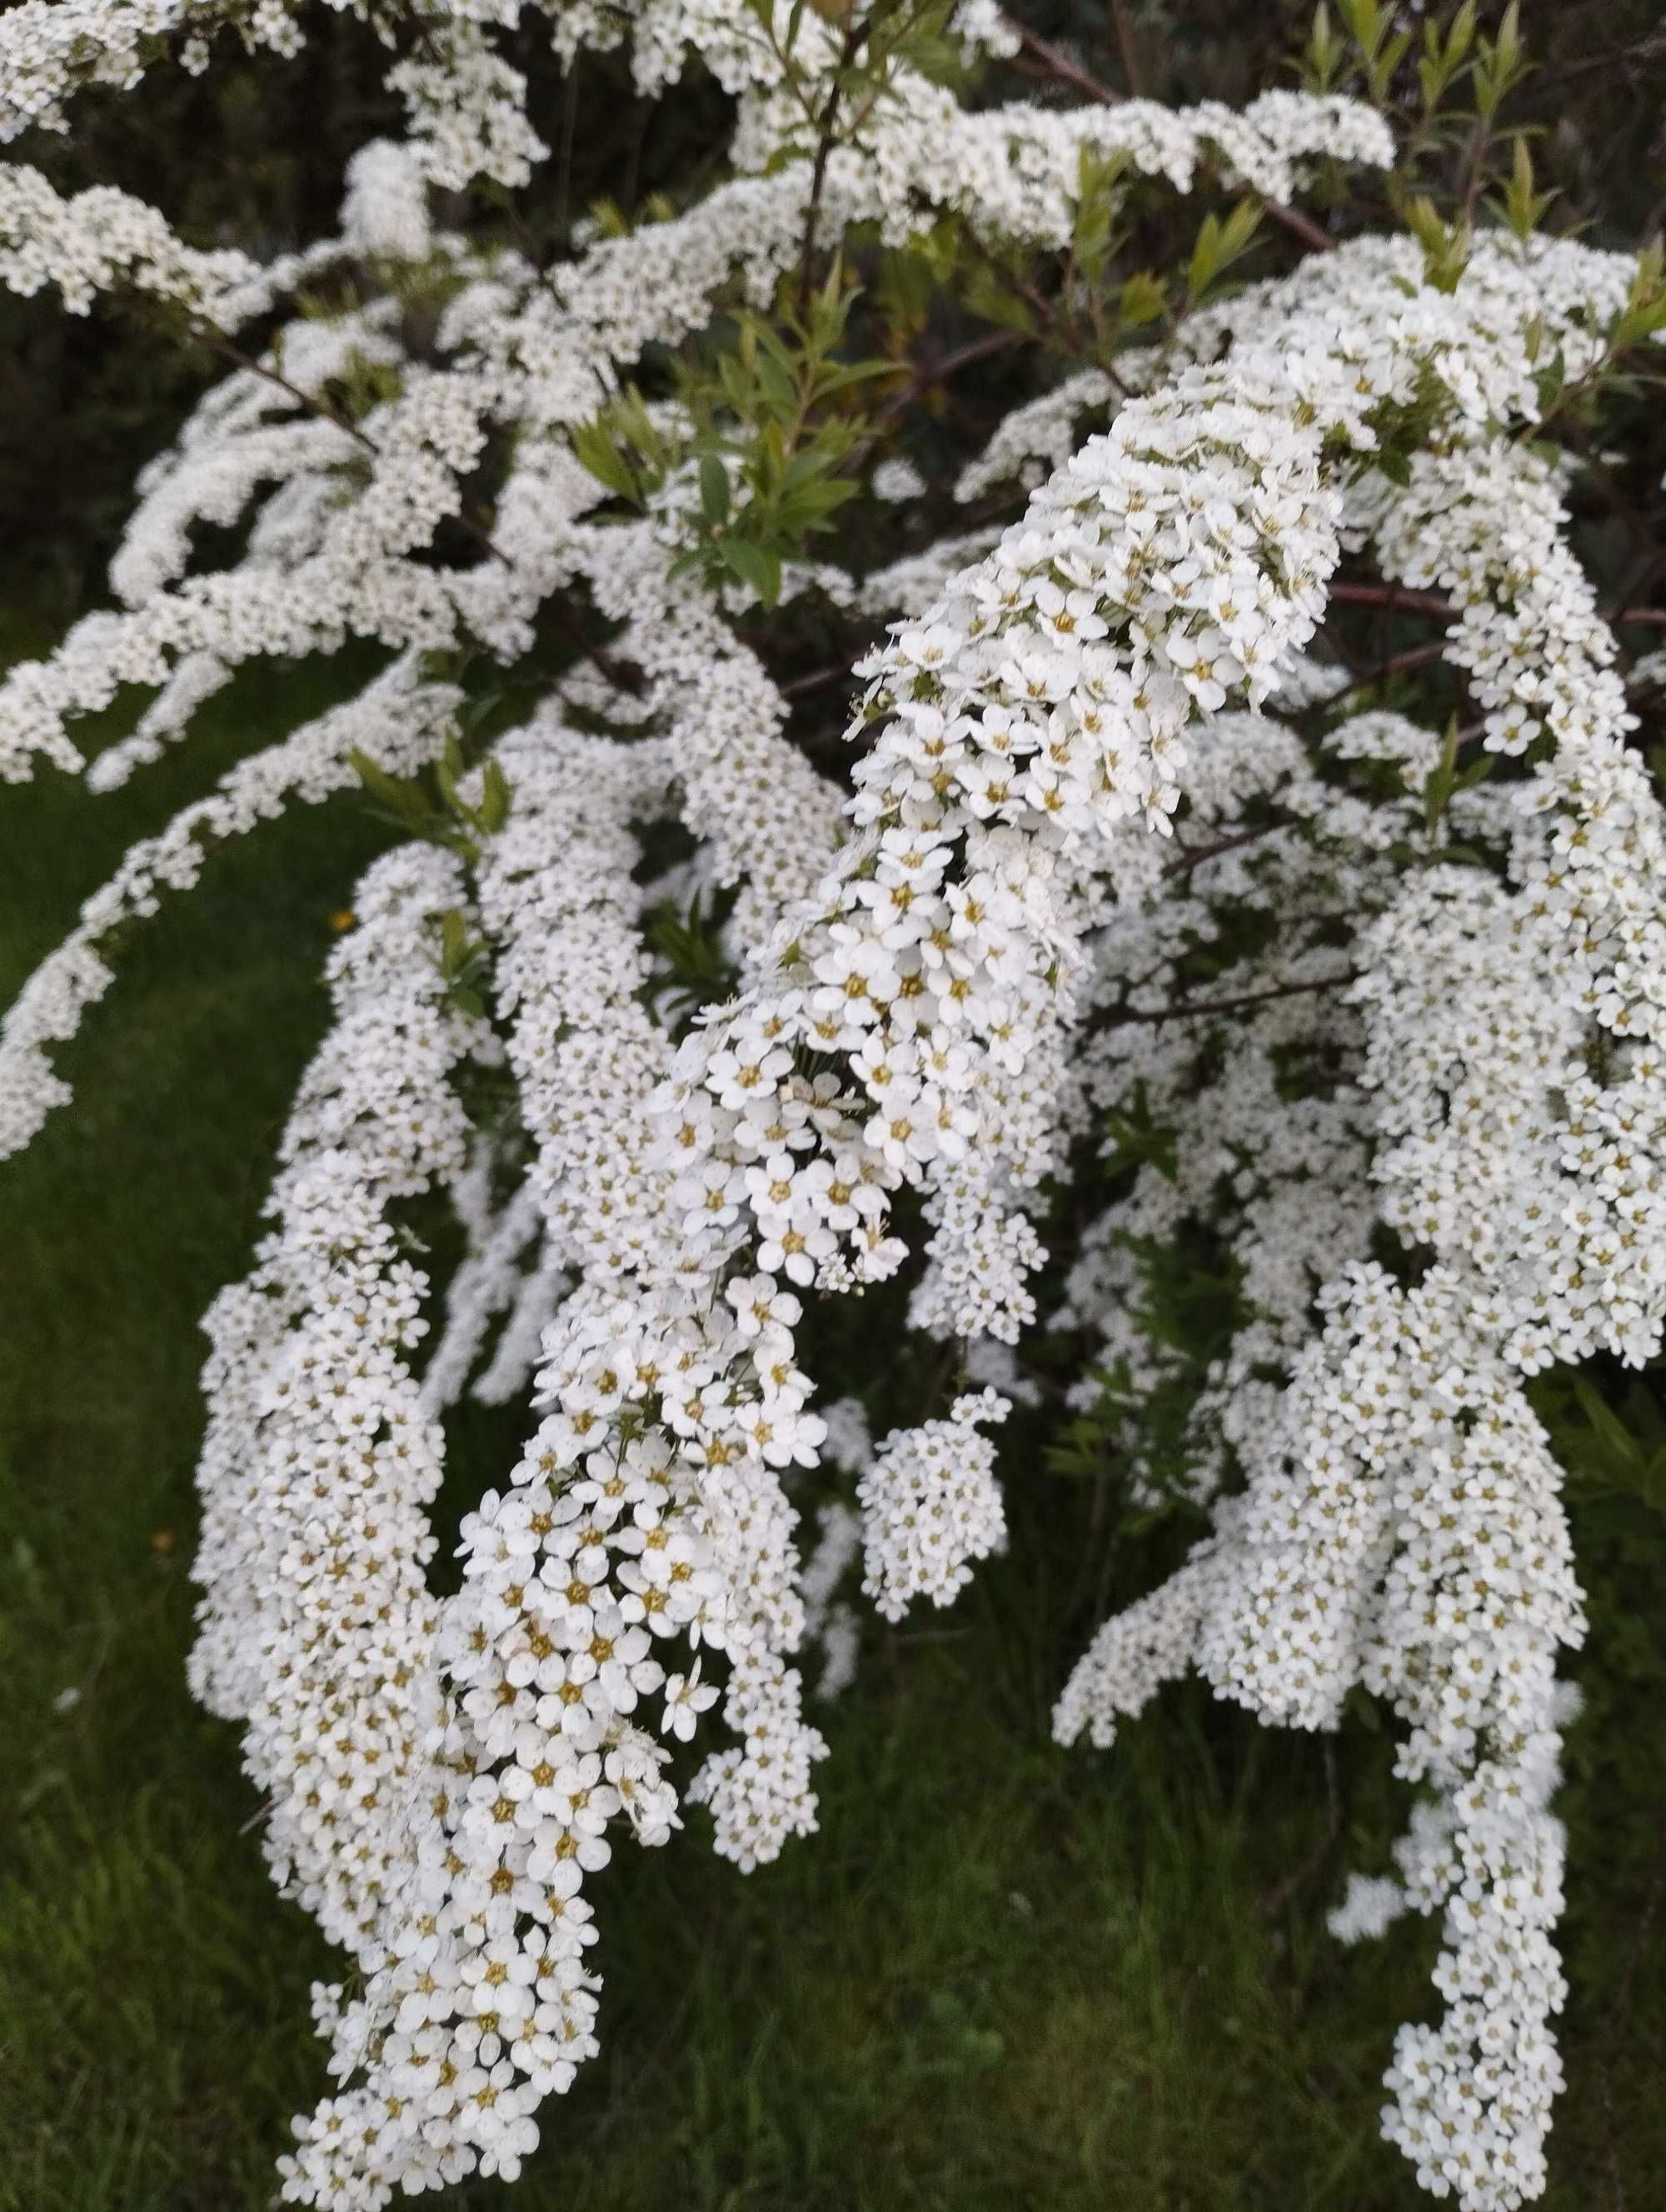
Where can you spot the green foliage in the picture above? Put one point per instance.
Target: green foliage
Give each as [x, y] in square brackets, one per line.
[1446, 777]
[773, 428]
[1381, 47]
[431, 806]
[464, 962]
[1445, 247]
[1521, 208]
[691, 969]
[1444, 55]
[1219, 244]
[1613, 1445]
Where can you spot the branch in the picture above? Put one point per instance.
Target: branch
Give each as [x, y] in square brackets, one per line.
[1395, 599]
[821, 679]
[1047, 62]
[1119, 16]
[1059, 67]
[1232, 1006]
[928, 373]
[1196, 858]
[627, 681]
[217, 342]
[847, 54]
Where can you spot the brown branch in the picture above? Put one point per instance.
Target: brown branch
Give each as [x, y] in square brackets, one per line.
[854, 40]
[1059, 67]
[1122, 1014]
[925, 374]
[1300, 225]
[1196, 858]
[1020, 287]
[801, 686]
[1046, 61]
[1119, 16]
[1395, 597]
[217, 342]
[928, 373]
[622, 679]
[1397, 664]
[1400, 664]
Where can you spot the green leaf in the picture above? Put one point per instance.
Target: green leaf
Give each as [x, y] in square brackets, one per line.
[1439, 784]
[714, 490]
[755, 565]
[1615, 1436]
[496, 799]
[453, 942]
[405, 799]
[597, 452]
[1141, 301]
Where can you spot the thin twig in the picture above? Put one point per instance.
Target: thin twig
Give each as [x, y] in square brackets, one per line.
[1392, 597]
[1397, 664]
[801, 686]
[1196, 858]
[599, 657]
[1119, 16]
[1059, 66]
[925, 373]
[853, 46]
[1395, 599]
[1020, 286]
[1050, 62]
[1232, 1005]
[928, 373]
[217, 342]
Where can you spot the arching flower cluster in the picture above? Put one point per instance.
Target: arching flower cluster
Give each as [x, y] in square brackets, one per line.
[1091, 763]
[1400, 1526]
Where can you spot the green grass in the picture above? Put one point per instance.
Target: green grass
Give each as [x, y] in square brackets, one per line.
[1001, 1976]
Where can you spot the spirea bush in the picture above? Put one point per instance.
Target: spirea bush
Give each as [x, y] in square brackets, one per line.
[1241, 1039]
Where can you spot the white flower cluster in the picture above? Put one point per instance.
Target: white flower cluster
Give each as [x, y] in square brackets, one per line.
[1074, 793]
[103, 239]
[317, 1629]
[488, 1281]
[1401, 1527]
[398, 721]
[931, 1506]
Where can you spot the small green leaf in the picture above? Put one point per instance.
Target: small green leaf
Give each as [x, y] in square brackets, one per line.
[755, 565]
[496, 799]
[453, 942]
[714, 490]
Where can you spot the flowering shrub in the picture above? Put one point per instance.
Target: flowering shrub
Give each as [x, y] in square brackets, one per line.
[1142, 918]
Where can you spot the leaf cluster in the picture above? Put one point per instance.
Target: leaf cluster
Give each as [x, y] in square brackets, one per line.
[431, 806]
[772, 426]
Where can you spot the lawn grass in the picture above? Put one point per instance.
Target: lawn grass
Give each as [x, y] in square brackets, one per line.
[1001, 1976]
